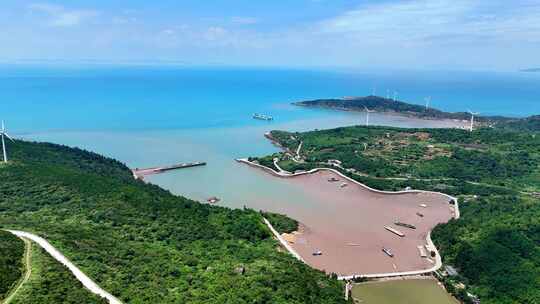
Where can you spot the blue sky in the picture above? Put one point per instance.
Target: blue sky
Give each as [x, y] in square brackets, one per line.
[435, 34]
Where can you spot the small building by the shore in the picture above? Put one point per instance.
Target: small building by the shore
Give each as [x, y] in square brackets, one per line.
[450, 270]
[334, 162]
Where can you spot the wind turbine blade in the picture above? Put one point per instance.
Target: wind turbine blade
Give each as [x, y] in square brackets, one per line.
[8, 136]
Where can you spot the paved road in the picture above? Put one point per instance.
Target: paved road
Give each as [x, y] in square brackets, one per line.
[57, 255]
[28, 269]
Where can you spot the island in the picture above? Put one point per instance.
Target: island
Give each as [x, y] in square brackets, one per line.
[397, 107]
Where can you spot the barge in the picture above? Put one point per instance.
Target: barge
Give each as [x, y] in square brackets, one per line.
[405, 225]
[394, 231]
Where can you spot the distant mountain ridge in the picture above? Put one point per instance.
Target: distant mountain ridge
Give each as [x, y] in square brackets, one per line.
[533, 70]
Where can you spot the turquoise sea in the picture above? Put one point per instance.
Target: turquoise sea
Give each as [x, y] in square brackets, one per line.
[149, 116]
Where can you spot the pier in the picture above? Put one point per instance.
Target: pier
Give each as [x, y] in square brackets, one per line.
[140, 173]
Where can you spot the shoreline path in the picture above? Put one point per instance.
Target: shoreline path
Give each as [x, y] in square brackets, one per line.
[27, 268]
[57, 255]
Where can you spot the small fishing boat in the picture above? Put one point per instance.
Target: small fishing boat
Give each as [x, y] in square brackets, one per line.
[388, 252]
[317, 253]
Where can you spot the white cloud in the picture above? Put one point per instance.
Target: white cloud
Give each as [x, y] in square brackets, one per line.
[215, 33]
[244, 20]
[59, 16]
[424, 21]
[168, 32]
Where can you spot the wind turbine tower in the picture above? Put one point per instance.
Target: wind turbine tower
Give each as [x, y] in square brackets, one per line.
[427, 100]
[472, 119]
[367, 115]
[395, 96]
[3, 133]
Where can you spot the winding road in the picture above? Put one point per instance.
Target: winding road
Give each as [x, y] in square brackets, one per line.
[57, 255]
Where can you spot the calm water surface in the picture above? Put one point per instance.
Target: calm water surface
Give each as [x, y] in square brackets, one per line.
[402, 292]
[158, 116]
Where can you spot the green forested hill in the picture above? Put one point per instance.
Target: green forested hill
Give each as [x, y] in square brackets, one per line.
[142, 243]
[52, 282]
[11, 267]
[495, 172]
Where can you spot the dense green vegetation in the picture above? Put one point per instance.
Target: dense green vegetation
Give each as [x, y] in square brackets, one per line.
[496, 247]
[280, 222]
[494, 171]
[145, 245]
[11, 266]
[51, 282]
[531, 123]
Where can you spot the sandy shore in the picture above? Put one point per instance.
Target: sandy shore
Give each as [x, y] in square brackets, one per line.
[347, 225]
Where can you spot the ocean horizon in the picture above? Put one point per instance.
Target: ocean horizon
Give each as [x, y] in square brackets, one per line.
[35, 99]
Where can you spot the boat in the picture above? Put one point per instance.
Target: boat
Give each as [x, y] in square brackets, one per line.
[316, 253]
[388, 252]
[213, 200]
[333, 179]
[394, 231]
[422, 251]
[343, 185]
[405, 225]
[263, 117]
[419, 214]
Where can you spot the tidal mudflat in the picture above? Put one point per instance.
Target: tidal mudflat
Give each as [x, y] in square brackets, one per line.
[347, 225]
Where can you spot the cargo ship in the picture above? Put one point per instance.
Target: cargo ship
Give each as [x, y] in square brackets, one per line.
[263, 117]
[398, 223]
[388, 252]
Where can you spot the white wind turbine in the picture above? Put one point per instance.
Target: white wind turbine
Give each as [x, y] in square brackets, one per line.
[472, 119]
[427, 100]
[367, 115]
[4, 133]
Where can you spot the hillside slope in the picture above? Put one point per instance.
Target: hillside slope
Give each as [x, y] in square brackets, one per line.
[143, 244]
[11, 267]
